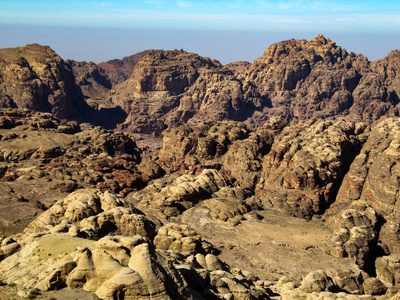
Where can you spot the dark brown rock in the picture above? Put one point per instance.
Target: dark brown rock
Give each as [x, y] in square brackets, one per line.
[92, 80]
[305, 79]
[373, 286]
[35, 77]
[168, 88]
[119, 70]
[348, 281]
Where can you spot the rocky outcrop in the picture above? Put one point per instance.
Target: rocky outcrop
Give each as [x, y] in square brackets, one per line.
[305, 166]
[317, 281]
[306, 79]
[122, 266]
[204, 144]
[356, 235]
[35, 77]
[169, 88]
[165, 199]
[372, 181]
[119, 70]
[90, 213]
[226, 146]
[181, 238]
[373, 175]
[92, 80]
[42, 159]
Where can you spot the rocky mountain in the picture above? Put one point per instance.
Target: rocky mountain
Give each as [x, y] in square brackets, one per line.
[92, 80]
[294, 79]
[119, 70]
[35, 77]
[168, 88]
[318, 79]
[273, 180]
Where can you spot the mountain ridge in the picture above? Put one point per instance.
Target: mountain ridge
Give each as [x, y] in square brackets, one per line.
[276, 179]
[294, 79]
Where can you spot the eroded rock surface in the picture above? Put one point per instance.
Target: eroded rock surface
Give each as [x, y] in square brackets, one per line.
[124, 266]
[169, 88]
[306, 79]
[42, 159]
[305, 167]
[35, 77]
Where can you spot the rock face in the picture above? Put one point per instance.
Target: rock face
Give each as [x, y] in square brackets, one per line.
[119, 70]
[305, 79]
[165, 199]
[367, 199]
[305, 167]
[228, 146]
[297, 169]
[35, 77]
[90, 213]
[356, 234]
[168, 88]
[93, 81]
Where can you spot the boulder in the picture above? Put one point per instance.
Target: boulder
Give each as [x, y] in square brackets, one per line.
[317, 281]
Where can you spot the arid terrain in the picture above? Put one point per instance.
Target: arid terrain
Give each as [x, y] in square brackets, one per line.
[167, 175]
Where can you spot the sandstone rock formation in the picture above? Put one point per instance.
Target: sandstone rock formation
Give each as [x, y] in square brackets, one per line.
[370, 186]
[42, 159]
[90, 213]
[119, 70]
[228, 146]
[163, 199]
[305, 167]
[305, 79]
[356, 235]
[181, 238]
[373, 175]
[124, 266]
[93, 81]
[35, 77]
[168, 88]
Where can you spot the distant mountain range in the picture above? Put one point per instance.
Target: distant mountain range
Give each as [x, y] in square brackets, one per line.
[153, 90]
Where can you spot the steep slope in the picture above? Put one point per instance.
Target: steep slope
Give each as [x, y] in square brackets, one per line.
[92, 80]
[119, 70]
[35, 77]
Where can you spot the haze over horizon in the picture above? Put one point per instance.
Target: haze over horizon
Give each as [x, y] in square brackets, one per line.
[224, 30]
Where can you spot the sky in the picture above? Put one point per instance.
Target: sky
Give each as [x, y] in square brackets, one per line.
[225, 30]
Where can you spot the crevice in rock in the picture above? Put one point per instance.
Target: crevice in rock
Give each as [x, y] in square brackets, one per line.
[348, 158]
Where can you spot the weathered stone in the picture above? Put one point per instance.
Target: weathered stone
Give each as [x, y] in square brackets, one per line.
[373, 286]
[316, 281]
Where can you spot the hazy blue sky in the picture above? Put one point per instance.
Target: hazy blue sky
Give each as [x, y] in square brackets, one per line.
[225, 30]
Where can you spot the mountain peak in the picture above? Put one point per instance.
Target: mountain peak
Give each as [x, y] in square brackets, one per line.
[321, 40]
